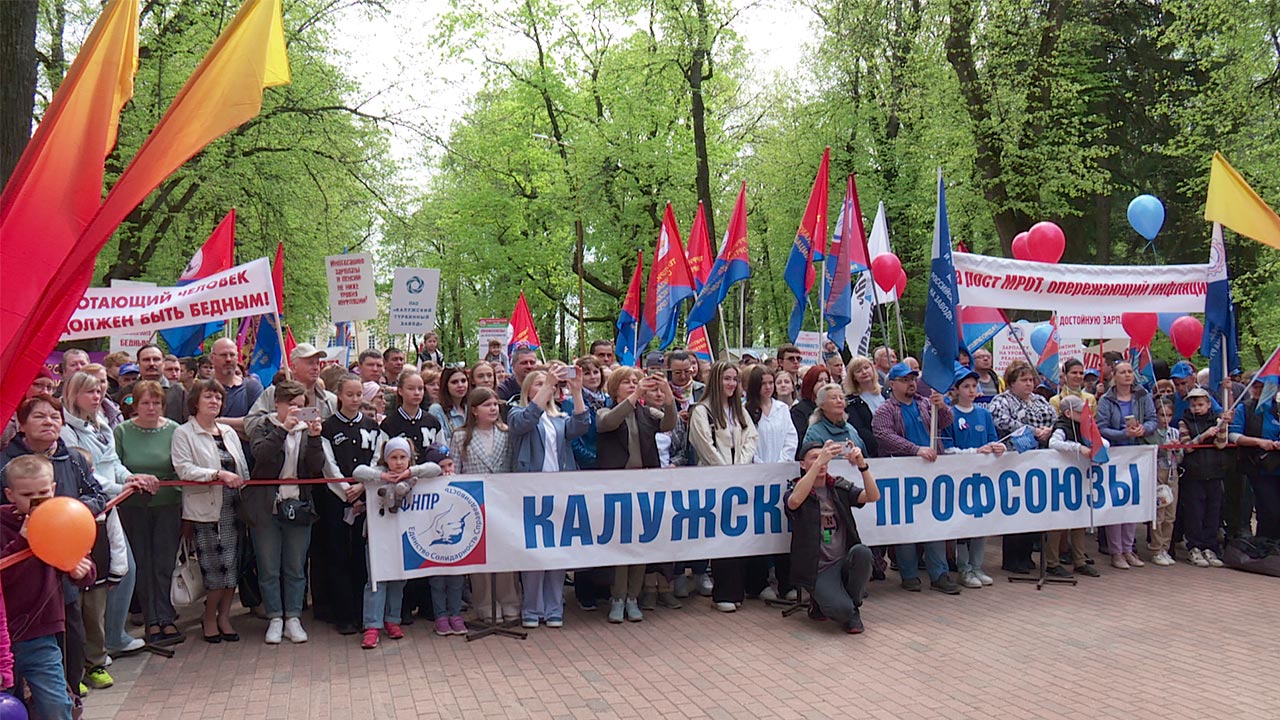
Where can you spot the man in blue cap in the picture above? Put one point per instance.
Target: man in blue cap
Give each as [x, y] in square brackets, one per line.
[1183, 375]
[902, 428]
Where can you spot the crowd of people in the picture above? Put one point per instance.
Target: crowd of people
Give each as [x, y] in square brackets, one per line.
[376, 428]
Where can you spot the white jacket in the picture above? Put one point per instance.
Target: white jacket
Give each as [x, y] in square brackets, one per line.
[195, 457]
[732, 445]
[778, 439]
[111, 475]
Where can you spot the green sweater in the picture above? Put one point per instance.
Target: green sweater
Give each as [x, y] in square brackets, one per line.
[149, 452]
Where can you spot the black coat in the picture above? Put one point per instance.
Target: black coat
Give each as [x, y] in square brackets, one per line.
[806, 528]
[613, 448]
[257, 502]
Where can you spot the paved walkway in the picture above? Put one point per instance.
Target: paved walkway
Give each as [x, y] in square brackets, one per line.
[1178, 642]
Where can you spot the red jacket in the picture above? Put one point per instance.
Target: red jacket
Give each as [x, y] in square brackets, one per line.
[32, 590]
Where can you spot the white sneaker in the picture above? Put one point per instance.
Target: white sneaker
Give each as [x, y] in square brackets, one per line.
[293, 630]
[985, 578]
[705, 584]
[1195, 557]
[107, 662]
[726, 607]
[134, 645]
[275, 629]
[792, 594]
[1162, 559]
[1212, 559]
[970, 580]
[768, 594]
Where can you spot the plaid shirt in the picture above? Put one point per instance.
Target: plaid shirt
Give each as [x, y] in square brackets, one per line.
[1010, 413]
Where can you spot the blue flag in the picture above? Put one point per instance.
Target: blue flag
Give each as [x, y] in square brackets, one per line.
[941, 338]
[1219, 340]
[731, 265]
[1023, 439]
[267, 353]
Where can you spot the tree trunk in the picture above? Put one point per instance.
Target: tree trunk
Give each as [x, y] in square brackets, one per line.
[18, 90]
[699, 71]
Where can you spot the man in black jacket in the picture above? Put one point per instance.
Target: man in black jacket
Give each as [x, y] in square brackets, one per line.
[827, 557]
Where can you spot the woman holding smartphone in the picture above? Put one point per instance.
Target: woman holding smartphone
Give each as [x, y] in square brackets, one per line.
[1126, 416]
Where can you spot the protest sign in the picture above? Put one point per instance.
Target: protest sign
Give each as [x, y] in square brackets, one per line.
[490, 329]
[1008, 347]
[129, 342]
[351, 294]
[473, 523]
[810, 344]
[414, 293]
[994, 282]
[242, 291]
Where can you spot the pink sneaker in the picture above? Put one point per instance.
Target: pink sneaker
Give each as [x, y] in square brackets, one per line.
[370, 639]
[457, 625]
[443, 628]
[393, 631]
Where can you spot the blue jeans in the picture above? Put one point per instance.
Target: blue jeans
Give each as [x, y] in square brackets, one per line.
[38, 661]
[970, 553]
[446, 594]
[383, 605]
[117, 612]
[543, 594]
[281, 551]
[935, 560]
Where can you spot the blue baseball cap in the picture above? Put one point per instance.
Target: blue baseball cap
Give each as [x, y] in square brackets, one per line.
[1182, 370]
[129, 369]
[902, 370]
[962, 372]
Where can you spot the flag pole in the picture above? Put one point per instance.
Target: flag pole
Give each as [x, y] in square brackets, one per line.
[284, 358]
[724, 330]
[1254, 379]
[742, 313]
[1226, 371]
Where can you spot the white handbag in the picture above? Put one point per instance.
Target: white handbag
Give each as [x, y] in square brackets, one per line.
[187, 587]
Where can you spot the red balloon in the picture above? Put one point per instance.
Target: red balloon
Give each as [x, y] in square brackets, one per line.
[1020, 249]
[886, 267]
[1046, 242]
[901, 285]
[1141, 327]
[1186, 333]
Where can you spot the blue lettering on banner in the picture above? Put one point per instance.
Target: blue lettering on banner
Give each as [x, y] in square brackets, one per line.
[577, 522]
[891, 499]
[767, 509]
[698, 507]
[651, 514]
[732, 524]
[916, 491]
[977, 495]
[612, 501]
[1037, 486]
[1009, 503]
[535, 520]
[944, 498]
[1097, 494]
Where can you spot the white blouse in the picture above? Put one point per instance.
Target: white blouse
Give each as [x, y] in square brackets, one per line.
[778, 439]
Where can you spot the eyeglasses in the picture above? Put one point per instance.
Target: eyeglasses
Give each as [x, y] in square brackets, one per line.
[793, 358]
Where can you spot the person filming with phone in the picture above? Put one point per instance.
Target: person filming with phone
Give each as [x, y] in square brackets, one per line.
[828, 558]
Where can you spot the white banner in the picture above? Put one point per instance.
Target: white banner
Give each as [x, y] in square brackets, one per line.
[1008, 347]
[129, 342]
[469, 523]
[242, 291]
[414, 293]
[810, 344]
[490, 329]
[351, 293]
[994, 282]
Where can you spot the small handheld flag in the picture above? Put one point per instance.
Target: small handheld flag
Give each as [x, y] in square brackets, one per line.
[1093, 437]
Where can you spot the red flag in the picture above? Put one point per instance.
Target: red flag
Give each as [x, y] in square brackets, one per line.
[217, 253]
[289, 342]
[277, 279]
[698, 344]
[809, 247]
[629, 318]
[700, 258]
[1091, 434]
[56, 188]
[670, 283]
[520, 329]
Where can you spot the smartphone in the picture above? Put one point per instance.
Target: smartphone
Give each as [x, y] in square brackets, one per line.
[1130, 420]
[848, 447]
[571, 371]
[308, 414]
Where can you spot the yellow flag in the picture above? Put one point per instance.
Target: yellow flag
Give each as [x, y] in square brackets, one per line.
[1234, 204]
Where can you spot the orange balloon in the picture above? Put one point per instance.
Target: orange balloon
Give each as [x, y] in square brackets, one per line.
[61, 532]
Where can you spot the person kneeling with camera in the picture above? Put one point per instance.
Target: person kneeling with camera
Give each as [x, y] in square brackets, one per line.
[827, 557]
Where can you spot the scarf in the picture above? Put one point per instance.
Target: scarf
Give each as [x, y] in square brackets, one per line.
[292, 445]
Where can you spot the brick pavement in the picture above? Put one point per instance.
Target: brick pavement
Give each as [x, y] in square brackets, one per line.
[1179, 642]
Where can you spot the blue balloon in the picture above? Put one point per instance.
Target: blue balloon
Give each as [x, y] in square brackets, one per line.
[11, 708]
[1146, 215]
[1166, 321]
[1040, 337]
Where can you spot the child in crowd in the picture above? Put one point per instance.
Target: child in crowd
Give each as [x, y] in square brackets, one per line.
[446, 590]
[972, 431]
[382, 605]
[1167, 464]
[32, 592]
[1068, 438]
[1201, 483]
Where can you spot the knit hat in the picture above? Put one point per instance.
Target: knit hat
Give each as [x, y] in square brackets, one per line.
[397, 443]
